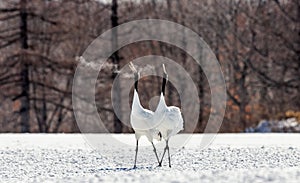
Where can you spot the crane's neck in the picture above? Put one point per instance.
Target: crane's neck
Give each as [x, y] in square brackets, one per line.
[136, 101]
[165, 80]
[136, 77]
[136, 85]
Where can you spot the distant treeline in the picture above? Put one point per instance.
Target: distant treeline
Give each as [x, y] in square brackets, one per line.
[257, 43]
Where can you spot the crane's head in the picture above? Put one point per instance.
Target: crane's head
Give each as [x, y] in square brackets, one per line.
[165, 79]
[165, 74]
[135, 72]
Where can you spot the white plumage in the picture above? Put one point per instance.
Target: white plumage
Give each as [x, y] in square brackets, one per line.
[171, 121]
[141, 119]
[165, 122]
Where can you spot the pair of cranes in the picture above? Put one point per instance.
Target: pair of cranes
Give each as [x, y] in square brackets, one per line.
[164, 122]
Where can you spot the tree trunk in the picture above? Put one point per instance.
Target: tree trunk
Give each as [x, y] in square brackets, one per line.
[25, 105]
[201, 77]
[116, 59]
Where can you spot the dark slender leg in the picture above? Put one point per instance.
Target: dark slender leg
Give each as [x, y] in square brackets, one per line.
[169, 155]
[167, 147]
[136, 151]
[154, 149]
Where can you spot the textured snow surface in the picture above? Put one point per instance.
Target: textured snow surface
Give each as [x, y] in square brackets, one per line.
[69, 158]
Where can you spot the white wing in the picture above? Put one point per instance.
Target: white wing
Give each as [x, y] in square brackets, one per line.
[174, 115]
[171, 123]
[140, 118]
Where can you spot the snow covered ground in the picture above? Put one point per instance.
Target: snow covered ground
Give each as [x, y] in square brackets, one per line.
[70, 158]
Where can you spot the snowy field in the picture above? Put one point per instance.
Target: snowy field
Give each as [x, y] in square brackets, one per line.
[70, 158]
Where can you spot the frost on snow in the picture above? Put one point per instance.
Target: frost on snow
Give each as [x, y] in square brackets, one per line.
[69, 158]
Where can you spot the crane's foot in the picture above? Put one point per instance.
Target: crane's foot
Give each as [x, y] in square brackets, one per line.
[134, 167]
[159, 165]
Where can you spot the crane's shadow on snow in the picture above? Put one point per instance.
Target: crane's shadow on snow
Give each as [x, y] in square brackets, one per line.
[122, 169]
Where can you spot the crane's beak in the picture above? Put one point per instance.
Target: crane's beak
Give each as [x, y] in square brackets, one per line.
[131, 66]
[136, 73]
[164, 68]
[165, 74]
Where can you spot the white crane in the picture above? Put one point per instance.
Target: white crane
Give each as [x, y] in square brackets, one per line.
[170, 118]
[142, 120]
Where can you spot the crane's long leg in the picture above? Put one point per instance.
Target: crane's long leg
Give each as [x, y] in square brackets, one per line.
[169, 156]
[154, 149]
[136, 152]
[167, 147]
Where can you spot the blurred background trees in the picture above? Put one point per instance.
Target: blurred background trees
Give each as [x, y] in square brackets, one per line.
[257, 44]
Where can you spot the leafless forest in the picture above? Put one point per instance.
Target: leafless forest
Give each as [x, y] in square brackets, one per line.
[256, 41]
